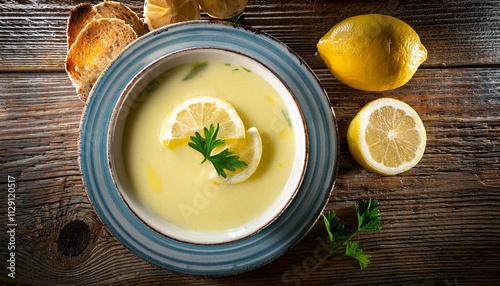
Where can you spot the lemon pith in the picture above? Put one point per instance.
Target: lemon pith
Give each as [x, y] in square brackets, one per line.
[223, 9]
[387, 137]
[372, 52]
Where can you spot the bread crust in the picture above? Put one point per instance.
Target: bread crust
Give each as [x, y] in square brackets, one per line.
[79, 17]
[112, 9]
[95, 36]
[97, 44]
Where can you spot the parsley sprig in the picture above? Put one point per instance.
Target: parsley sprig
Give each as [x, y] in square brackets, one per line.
[225, 160]
[368, 217]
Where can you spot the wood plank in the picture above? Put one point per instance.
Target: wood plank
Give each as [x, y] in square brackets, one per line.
[40, 117]
[441, 220]
[419, 258]
[462, 132]
[456, 33]
[460, 157]
[428, 219]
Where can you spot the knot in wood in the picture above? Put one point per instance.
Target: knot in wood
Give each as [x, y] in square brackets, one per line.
[73, 238]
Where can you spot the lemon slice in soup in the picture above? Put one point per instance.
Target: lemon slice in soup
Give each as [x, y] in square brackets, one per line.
[249, 149]
[195, 113]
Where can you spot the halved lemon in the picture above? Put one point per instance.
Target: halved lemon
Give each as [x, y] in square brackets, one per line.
[195, 113]
[249, 149]
[387, 137]
[223, 9]
[159, 13]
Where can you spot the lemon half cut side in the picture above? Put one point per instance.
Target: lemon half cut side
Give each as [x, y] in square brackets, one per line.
[249, 149]
[387, 137]
[195, 113]
[223, 9]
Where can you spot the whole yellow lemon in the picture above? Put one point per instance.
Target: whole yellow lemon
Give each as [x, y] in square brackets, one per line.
[372, 52]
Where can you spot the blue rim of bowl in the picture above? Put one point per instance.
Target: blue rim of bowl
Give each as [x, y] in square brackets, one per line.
[220, 259]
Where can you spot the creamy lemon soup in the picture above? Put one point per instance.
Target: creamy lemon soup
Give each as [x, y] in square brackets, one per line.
[170, 180]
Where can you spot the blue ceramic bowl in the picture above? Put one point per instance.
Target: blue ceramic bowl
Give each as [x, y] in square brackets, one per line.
[137, 92]
[281, 232]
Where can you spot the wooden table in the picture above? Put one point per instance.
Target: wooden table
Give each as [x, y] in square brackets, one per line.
[441, 219]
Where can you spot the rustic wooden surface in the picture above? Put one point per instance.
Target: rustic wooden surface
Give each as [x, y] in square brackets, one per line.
[441, 219]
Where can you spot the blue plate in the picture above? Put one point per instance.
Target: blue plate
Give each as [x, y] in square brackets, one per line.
[222, 259]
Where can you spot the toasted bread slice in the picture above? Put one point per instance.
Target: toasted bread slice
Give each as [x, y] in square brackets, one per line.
[100, 42]
[112, 9]
[83, 13]
[79, 17]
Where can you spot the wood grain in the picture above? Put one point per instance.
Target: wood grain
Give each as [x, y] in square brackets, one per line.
[441, 219]
[456, 33]
[452, 192]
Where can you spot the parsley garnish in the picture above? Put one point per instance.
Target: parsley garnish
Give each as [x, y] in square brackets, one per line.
[238, 19]
[225, 160]
[368, 216]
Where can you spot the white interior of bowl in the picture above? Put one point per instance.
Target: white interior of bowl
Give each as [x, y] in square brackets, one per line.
[135, 92]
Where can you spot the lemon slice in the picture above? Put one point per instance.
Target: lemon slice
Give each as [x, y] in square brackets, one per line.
[387, 137]
[159, 13]
[195, 113]
[249, 149]
[223, 9]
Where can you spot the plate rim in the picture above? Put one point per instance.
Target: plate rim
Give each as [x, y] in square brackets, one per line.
[334, 158]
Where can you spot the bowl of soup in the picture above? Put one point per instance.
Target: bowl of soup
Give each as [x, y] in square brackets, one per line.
[158, 197]
[166, 186]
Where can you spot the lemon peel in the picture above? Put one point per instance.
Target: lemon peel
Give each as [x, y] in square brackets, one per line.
[159, 13]
[372, 52]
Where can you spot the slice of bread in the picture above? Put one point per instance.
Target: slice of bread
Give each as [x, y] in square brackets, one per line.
[83, 13]
[79, 17]
[97, 44]
[112, 9]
